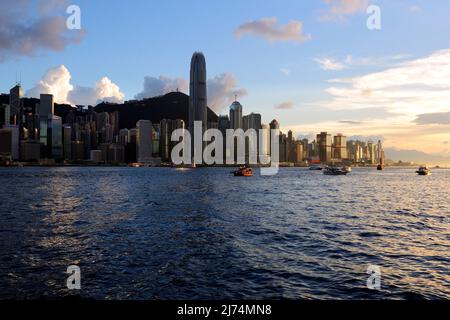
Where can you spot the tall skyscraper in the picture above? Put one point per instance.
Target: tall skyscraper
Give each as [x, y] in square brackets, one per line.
[67, 142]
[55, 137]
[324, 147]
[236, 119]
[340, 147]
[198, 95]
[15, 104]
[46, 110]
[144, 141]
[4, 114]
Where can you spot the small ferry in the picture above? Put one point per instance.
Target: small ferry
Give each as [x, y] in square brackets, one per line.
[243, 172]
[423, 171]
[336, 171]
[315, 167]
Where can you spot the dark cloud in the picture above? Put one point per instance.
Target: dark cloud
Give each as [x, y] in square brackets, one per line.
[27, 27]
[434, 118]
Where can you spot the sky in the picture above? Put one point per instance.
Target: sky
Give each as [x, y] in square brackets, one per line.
[313, 65]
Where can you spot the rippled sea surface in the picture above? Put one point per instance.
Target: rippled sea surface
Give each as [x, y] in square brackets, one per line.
[155, 233]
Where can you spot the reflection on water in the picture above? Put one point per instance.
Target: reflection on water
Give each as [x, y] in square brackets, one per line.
[164, 233]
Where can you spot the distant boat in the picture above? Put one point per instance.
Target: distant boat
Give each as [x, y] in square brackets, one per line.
[336, 171]
[315, 167]
[423, 171]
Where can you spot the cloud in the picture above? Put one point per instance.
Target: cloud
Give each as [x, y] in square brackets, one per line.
[28, 27]
[268, 29]
[434, 118]
[329, 64]
[411, 88]
[57, 81]
[159, 86]
[222, 90]
[351, 122]
[285, 71]
[340, 9]
[414, 8]
[285, 105]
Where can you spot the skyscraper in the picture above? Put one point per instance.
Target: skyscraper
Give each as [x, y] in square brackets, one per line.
[46, 109]
[144, 141]
[55, 137]
[15, 104]
[236, 121]
[325, 147]
[197, 95]
[340, 147]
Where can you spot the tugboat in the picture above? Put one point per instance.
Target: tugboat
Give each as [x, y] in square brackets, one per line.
[336, 171]
[243, 172]
[423, 171]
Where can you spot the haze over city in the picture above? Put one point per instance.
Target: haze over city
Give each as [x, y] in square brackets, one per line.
[314, 66]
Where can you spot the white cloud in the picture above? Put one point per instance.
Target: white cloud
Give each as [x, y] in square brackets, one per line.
[159, 86]
[222, 90]
[268, 29]
[411, 88]
[329, 64]
[285, 71]
[339, 9]
[57, 81]
[414, 8]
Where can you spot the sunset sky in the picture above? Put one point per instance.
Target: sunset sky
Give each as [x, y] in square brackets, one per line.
[313, 65]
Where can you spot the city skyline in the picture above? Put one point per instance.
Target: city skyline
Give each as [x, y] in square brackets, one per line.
[370, 84]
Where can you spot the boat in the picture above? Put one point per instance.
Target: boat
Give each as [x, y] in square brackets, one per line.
[336, 171]
[423, 171]
[243, 172]
[315, 167]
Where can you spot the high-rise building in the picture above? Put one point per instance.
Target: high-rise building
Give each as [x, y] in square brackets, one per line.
[144, 150]
[274, 125]
[264, 148]
[55, 137]
[236, 121]
[167, 127]
[9, 141]
[198, 95]
[4, 114]
[46, 110]
[340, 147]
[223, 124]
[324, 145]
[67, 142]
[15, 104]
